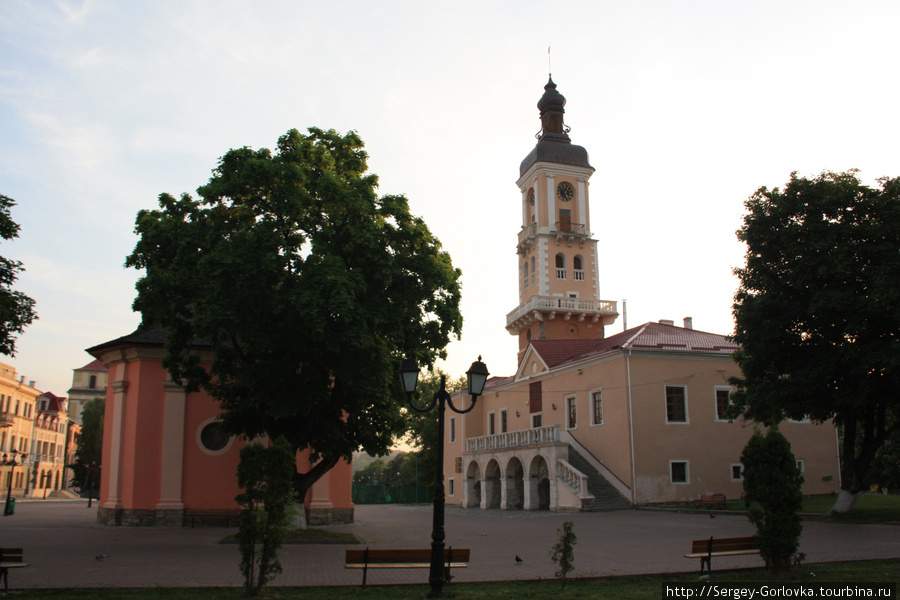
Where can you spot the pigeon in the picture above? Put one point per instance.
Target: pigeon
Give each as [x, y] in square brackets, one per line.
[100, 556]
[712, 516]
[518, 560]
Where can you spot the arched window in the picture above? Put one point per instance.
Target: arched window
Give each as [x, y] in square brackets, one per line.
[578, 268]
[525, 273]
[532, 269]
[560, 266]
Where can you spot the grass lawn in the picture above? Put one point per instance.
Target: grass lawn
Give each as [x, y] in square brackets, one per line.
[610, 588]
[870, 508]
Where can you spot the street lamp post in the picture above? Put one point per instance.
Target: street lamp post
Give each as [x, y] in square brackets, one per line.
[409, 374]
[90, 478]
[11, 462]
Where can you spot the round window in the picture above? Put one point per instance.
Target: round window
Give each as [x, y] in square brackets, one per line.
[213, 436]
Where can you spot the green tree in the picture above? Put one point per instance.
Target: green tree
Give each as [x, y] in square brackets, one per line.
[307, 288]
[817, 313]
[86, 468]
[265, 474]
[371, 473]
[772, 484]
[16, 309]
[563, 552]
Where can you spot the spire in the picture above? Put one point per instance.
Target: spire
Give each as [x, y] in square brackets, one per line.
[554, 144]
[552, 105]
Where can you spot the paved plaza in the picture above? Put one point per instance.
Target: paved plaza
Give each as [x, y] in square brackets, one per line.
[66, 548]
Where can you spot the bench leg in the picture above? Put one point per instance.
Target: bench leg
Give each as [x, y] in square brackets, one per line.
[365, 566]
[705, 560]
[4, 575]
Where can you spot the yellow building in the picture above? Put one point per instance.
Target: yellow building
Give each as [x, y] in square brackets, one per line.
[48, 450]
[590, 421]
[18, 408]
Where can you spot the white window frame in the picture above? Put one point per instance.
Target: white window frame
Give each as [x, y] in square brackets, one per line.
[539, 415]
[571, 402]
[716, 390]
[451, 487]
[452, 434]
[593, 412]
[504, 420]
[687, 472]
[740, 470]
[687, 413]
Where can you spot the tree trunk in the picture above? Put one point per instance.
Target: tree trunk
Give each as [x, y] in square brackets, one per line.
[303, 482]
[845, 502]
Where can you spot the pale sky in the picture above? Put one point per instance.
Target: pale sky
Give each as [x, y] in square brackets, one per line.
[685, 108]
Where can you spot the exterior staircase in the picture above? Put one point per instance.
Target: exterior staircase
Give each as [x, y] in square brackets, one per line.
[606, 496]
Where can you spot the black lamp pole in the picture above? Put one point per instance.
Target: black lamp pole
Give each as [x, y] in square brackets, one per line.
[477, 375]
[7, 509]
[90, 477]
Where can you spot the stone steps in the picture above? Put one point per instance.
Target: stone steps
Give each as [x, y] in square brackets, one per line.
[606, 497]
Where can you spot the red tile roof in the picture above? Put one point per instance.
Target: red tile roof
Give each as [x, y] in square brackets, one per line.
[649, 336]
[95, 365]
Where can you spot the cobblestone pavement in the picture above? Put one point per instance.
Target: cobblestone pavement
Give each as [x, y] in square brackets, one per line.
[66, 548]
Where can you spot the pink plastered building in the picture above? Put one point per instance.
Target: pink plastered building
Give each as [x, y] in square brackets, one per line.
[166, 460]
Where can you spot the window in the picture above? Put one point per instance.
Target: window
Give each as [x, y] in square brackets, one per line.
[503, 421]
[93, 383]
[560, 266]
[452, 429]
[597, 407]
[571, 412]
[536, 421]
[212, 438]
[458, 465]
[578, 268]
[532, 269]
[801, 465]
[678, 471]
[737, 472]
[450, 487]
[723, 399]
[676, 404]
[491, 424]
[525, 272]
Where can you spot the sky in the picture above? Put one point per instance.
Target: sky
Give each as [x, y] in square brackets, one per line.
[685, 108]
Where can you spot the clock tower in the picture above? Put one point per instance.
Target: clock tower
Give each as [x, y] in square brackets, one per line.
[557, 255]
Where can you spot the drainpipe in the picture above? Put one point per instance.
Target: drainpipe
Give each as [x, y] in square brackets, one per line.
[631, 428]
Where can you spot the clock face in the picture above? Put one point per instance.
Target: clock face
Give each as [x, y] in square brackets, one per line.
[565, 191]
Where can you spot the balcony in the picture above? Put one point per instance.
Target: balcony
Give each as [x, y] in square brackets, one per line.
[525, 438]
[7, 419]
[561, 230]
[569, 307]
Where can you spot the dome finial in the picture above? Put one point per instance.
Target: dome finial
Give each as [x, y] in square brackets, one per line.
[549, 68]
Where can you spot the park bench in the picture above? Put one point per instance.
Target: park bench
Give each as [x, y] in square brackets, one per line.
[227, 517]
[706, 549]
[712, 501]
[10, 558]
[403, 559]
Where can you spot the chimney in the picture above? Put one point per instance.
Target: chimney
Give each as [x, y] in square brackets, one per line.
[31, 383]
[688, 322]
[667, 322]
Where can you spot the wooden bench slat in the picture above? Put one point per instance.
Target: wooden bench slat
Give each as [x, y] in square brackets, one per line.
[403, 558]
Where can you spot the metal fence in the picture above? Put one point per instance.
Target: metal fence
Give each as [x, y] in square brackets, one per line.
[380, 494]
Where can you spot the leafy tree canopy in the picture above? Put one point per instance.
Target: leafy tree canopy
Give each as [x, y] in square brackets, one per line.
[16, 309]
[307, 287]
[817, 312]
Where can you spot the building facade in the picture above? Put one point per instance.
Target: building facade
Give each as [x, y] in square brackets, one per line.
[48, 457]
[88, 382]
[591, 421]
[165, 456]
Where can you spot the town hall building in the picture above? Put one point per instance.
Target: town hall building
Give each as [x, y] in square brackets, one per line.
[589, 421]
